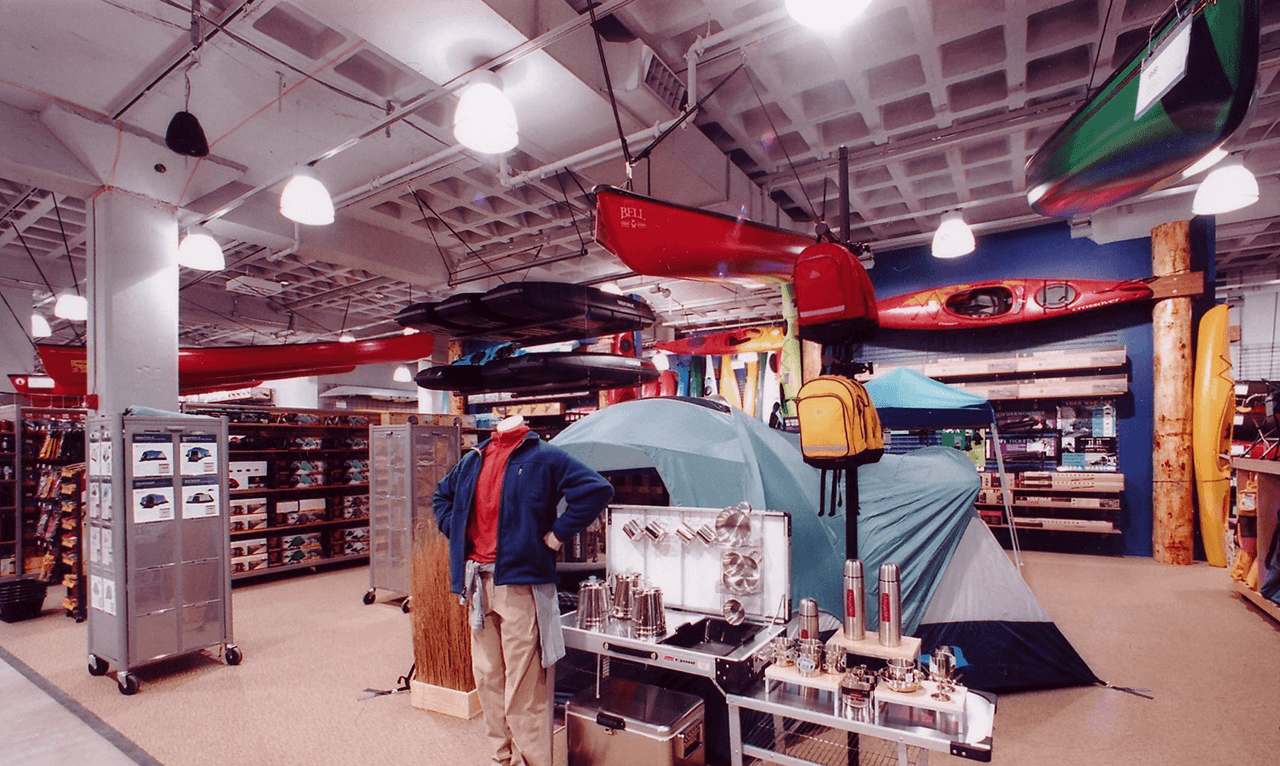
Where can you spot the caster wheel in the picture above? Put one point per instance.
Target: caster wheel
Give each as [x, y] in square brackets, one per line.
[97, 666]
[128, 684]
[404, 606]
[370, 596]
[233, 655]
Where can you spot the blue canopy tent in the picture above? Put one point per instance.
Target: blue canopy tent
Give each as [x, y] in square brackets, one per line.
[906, 399]
[958, 587]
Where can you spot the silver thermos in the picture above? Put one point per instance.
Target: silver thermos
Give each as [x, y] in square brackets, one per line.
[890, 606]
[855, 601]
[808, 619]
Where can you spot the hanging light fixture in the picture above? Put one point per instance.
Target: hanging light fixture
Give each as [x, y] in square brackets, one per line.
[199, 250]
[304, 199]
[485, 120]
[826, 14]
[402, 374]
[1204, 163]
[1229, 187]
[40, 326]
[71, 307]
[953, 237]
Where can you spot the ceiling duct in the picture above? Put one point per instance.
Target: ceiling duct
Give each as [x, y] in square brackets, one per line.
[645, 83]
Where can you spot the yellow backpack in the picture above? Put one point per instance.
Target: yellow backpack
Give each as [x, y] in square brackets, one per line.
[839, 427]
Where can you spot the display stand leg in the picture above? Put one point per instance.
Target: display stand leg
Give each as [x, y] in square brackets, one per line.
[851, 506]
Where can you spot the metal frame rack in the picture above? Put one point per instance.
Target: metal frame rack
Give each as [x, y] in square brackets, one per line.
[157, 547]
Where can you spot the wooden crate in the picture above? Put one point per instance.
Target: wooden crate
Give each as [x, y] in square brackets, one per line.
[438, 699]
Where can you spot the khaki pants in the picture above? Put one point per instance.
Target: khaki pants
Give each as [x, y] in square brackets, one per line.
[506, 657]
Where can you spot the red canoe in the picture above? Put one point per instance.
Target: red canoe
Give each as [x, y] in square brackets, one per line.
[1004, 301]
[728, 342]
[201, 370]
[662, 239]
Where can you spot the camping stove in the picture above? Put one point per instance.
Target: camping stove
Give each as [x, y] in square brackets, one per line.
[698, 574]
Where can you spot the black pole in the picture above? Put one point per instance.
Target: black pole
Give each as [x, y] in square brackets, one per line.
[851, 513]
[844, 195]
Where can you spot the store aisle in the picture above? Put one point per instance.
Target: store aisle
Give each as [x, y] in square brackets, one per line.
[312, 649]
[44, 727]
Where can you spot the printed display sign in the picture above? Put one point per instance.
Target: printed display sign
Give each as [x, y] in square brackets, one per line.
[198, 455]
[152, 503]
[200, 501]
[152, 455]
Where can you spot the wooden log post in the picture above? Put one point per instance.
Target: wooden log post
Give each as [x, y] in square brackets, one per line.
[457, 405]
[1171, 502]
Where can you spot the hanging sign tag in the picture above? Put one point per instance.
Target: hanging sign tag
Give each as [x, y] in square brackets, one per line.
[1164, 68]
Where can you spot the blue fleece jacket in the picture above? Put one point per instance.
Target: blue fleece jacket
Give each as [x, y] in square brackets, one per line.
[537, 476]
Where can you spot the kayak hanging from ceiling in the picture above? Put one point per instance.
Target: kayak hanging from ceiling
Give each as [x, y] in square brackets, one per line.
[531, 312]
[547, 372]
[1133, 136]
[664, 239]
[728, 341]
[1004, 302]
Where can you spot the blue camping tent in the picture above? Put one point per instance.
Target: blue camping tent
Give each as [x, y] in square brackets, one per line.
[916, 511]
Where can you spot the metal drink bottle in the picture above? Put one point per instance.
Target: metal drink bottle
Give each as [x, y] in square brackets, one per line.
[808, 619]
[890, 606]
[855, 601]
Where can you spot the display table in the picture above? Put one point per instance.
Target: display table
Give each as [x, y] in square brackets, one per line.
[793, 725]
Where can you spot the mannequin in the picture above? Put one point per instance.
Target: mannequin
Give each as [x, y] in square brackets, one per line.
[510, 488]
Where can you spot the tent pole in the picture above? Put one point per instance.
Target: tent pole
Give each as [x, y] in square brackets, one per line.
[1006, 493]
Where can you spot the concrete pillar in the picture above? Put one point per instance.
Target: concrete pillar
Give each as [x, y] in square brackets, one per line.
[133, 302]
[1171, 496]
[15, 335]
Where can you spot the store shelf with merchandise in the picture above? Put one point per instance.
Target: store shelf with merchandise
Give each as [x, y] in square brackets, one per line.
[1254, 525]
[298, 487]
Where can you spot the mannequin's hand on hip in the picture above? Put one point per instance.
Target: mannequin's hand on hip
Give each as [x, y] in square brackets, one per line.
[552, 541]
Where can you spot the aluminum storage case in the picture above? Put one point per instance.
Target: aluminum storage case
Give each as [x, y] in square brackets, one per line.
[633, 723]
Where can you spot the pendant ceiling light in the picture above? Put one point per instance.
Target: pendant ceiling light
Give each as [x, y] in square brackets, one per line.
[826, 14]
[402, 374]
[485, 120]
[953, 237]
[304, 199]
[199, 250]
[1229, 187]
[185, 136]
[71, 307]
[40, 326]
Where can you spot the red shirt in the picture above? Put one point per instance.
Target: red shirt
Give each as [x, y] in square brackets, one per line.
[482, 528]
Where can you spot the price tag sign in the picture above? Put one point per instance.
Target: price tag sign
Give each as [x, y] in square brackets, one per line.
[1163, 69]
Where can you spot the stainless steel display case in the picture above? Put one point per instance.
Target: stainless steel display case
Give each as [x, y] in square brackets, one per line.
[627, 723]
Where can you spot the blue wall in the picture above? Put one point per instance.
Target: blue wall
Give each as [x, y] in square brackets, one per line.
[1046, 251]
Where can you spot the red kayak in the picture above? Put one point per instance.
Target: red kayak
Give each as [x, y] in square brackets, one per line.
[1004, 301]
[663, 239]
[201, 370]
[728, 342]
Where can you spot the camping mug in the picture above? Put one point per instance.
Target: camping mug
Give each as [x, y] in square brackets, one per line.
[623, 589]
[593, 604]
[809, 657]
[632, 529]
[901, 675]
[783, 651]
[942, 667]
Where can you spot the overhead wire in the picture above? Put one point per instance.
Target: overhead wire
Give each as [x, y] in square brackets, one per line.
[23, 327]
[776, 137]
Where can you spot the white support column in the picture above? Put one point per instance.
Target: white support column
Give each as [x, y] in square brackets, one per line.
[133, 302]
[15, 346]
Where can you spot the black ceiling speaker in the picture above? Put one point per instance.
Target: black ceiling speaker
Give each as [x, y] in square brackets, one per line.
[185, 136]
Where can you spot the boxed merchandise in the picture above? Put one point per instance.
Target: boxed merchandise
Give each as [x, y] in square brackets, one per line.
[355, 507]
[245, 505]
[249, 521]
[308, 511]
[304, 540]
[299, 555]
[251, 547]
[356, 533]
[355, 548]
[247, 474]
[249, 563]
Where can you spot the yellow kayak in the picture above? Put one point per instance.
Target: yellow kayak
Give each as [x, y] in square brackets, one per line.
[1215, 407]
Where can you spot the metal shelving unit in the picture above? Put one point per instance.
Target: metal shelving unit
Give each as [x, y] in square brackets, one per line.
[157, 544]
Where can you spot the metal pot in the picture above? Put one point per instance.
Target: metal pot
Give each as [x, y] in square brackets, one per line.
[622, 594]
[649, 616]
[809, 657]
[593, 604]
[902, 675]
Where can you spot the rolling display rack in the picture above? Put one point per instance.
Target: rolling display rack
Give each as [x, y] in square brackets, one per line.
[157, 547]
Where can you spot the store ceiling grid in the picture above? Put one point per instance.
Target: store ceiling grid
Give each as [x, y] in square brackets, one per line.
[940, 103]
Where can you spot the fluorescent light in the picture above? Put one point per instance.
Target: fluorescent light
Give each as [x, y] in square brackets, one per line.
[40, 326]
[1229, 187]
[1204, 163]
[346, 337]
[611, 287]
[661, 361]
[826, 15]
[71, 307]
[304, 199]
[199, 250]
[953, 237]
[402, 374]
[485, 121]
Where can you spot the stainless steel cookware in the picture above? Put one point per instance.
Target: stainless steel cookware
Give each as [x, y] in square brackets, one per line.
[809, 657]
[857, 691]
[622, 594]
[902, 675]
[593, 604]
[649, 616]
